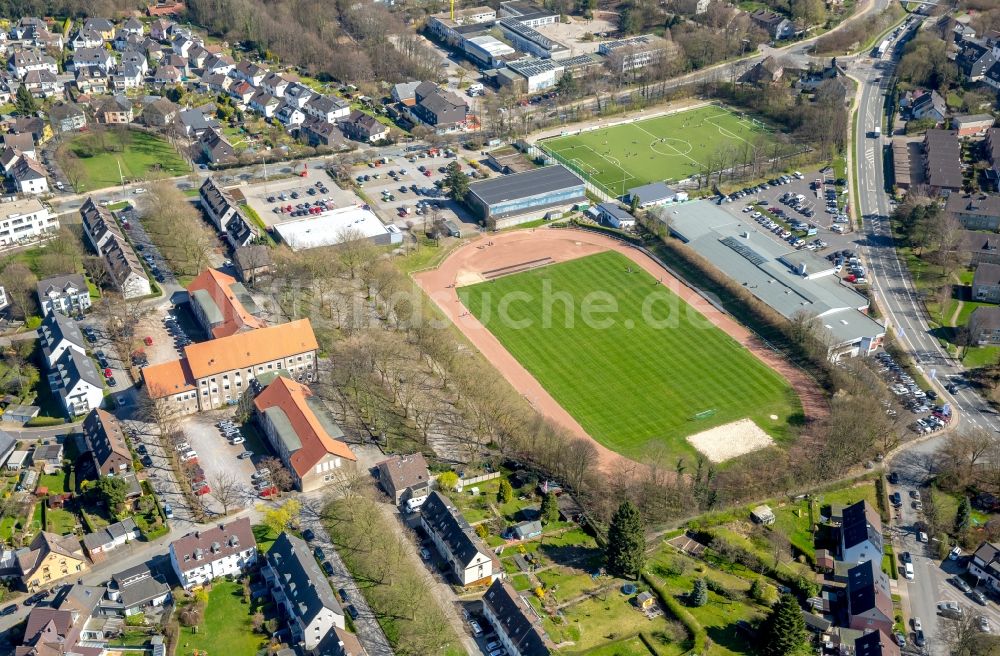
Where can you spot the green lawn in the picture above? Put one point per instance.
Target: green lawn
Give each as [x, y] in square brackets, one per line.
[672, 147]
[947, 508]
[226, 629]
[635, 377]
[143, 157]
[59, 521]
[793, 520]
[265, 537]
[980, 356]
[592, 623]
[850, 494]
[56, 483]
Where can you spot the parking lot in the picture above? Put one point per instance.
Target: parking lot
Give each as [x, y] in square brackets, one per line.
[409, 182]
[928, 416]
[218, 457]
[316, 188]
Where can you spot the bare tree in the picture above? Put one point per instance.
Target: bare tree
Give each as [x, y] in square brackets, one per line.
[227, 490]
[19, 283]
[280, 476]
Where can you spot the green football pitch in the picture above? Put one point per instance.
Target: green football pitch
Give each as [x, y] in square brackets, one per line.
[636, 381]
[666, 148]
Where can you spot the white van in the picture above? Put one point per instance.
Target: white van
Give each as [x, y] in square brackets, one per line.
[475, 89]
[412, 505]
[908, 571]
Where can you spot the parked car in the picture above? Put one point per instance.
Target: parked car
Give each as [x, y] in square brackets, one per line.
[9, 610]
[352, 611]
[960, 583]
[327, 568]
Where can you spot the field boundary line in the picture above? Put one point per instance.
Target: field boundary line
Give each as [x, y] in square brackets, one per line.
[696, 162]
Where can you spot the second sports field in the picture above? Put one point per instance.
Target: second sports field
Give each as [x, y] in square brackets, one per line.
[666, 148]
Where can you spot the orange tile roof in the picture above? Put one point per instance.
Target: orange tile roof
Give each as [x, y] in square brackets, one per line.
[168, 378]
[244, 350]
[291, 397]
[219, 287]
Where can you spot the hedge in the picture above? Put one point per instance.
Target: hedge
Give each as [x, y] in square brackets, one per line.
[699, 636]
[45, 421]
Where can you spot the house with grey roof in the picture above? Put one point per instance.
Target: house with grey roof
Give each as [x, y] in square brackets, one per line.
[984, 326]
[137, 589]
[440, 109]
[76, 381]
[66, 294]
[986, 283]
[467, 557]
[57, 334]
[404, 477]
[518, 626]
[301, 592]
[861, 534]
[103, 541]
[48, 456]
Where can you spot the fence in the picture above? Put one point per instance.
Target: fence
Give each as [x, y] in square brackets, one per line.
[471, 480]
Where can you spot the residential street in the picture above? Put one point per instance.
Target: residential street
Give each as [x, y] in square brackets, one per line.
[894, 292]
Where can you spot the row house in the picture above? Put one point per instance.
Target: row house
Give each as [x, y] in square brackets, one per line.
[469, 560]
[301, 593]
[298, 95]
[76, 382]
[242, 91]
[105, 237]
[216, 373]
[58, 334]
[319, 133]
[517, 625]
[327, 109]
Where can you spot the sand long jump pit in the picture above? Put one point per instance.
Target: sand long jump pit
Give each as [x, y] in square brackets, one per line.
[662, 366]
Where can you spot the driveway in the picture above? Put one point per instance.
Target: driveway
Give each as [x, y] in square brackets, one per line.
[217, 457]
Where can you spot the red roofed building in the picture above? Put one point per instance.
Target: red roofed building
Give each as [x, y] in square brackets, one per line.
[302, 432]
[222, 305]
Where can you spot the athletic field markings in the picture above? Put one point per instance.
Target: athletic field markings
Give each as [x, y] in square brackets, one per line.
[657, 137]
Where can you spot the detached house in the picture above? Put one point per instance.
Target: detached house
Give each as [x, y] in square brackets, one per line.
[116, 110]
[50, 558]
[404, 477]
[160, 113]
[290, 116]
[67, 294]
[861, 534]
[929, 106]
[67, 117]
[264, 103]
[215, 148]
[92, 81]
[302, 593]
[868, 598]
[319, 133]
[92, 57]
[106, 444]
[974, 60]
[774, 24]
[250, 72]
[438, 108]
[301, 431]
[136, 589]
[326, 108]
[29, 176]
[203, 556]
[467, 557]
[41, 84]
[275, 85]
[362, 127]
[105, 540]
[985, 562]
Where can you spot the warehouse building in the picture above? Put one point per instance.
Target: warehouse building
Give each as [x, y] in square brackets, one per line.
[791, 282]
[526, 195]
[487, 51]
[336, 226]
[539, 73]
[531, 41]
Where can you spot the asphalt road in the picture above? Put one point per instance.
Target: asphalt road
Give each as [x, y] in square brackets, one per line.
[895, 295]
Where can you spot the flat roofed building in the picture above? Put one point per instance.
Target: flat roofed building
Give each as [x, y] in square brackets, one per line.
[25, 220]
[633, 53]
[527, 39]
[772, 271]
[971, 124]
[528, 13]
[528, 192]
[222, 305]
[334, 226]
[538, 73]
[216, 373]
[486, 50]
[302, 432]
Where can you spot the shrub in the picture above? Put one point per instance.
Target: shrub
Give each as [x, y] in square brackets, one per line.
[44, 421]
[698, 634]
[448, 480]
[723, 591]
[482, 531]
[139, 619]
